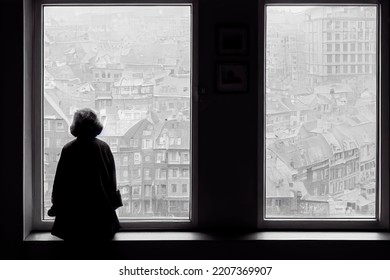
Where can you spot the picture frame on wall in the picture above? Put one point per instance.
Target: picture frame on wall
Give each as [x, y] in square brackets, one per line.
[232, 40]
[232, 77]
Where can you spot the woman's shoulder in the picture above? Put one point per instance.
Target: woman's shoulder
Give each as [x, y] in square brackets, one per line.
[101, 143]
[69, 144]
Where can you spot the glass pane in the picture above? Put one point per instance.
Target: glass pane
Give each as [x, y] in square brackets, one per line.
[321, 118]
[132, 65]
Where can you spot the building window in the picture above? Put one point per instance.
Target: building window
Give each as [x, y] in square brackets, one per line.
[366, 46]
[184, 189]
[46, 159]
[174, 188]
[146, 144]
[136, 191]
[186, 172]
[46, 125]
[147, 174]
[345, 47]
[137, 158]
[59, 126]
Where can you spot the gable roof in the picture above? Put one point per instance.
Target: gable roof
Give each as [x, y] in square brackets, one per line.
[57, 110]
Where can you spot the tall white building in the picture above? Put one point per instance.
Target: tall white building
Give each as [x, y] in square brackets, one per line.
[340, 41]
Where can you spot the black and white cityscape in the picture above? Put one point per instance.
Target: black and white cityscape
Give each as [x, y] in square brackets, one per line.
[321, 92]
[132, 65]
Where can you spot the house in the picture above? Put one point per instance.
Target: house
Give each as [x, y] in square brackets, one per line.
[172, 96]
[309, 157]
[56, 134]
[172, 150]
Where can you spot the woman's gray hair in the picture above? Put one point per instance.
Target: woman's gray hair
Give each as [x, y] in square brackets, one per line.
[85, 124]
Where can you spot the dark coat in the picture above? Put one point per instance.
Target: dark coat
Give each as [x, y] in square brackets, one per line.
[84, 192]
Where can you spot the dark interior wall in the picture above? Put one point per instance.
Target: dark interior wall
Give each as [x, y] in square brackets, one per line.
[227, 159]
[11, 127]
[227, 122]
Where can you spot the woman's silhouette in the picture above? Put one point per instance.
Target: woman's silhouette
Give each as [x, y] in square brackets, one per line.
[85, 194]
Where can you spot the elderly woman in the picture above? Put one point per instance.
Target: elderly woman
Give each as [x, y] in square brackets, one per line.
[85, 194]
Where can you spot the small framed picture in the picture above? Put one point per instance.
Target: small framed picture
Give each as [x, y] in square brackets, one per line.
[232, 40]
[232, 77]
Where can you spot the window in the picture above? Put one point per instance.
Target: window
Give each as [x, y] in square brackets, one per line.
[59, 126]
[184, 189]
[146, 144]
[297, 181]
[186, 172]
[137, 158]
[46, 125]
[136, 191]
[173, 156]
[46, 159]
[151, 27]
[147, 174]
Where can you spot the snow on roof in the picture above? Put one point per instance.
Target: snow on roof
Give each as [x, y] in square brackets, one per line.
[305, 152]
[116, 127]
[56, 108]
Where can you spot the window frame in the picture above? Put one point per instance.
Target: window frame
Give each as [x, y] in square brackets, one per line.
[33, 129]
[381, 222]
